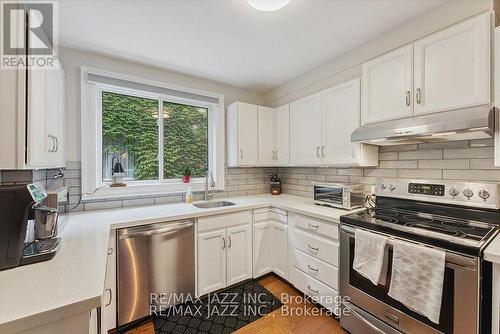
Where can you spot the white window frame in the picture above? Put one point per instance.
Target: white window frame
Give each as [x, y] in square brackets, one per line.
[92, 185]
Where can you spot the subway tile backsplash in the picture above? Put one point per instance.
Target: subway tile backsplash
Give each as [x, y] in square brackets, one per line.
[459, 160]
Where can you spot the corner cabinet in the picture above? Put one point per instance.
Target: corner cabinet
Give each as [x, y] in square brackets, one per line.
[257, 135]
[223, 251]
[242, 135]
[447, 70]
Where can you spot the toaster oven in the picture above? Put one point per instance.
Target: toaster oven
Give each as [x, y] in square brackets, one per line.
[346, 196]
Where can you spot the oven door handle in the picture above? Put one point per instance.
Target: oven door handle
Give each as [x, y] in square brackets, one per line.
[369, 324]
[453, 261]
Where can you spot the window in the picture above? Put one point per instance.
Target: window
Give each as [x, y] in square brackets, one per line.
[155, 136]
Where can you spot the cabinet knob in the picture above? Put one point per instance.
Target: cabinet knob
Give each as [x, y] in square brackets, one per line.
[391, 187]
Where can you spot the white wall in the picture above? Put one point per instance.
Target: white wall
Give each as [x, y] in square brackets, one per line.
[348, 66]
[73, 59]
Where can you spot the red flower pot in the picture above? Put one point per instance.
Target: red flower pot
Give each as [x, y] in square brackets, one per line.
[186, 178]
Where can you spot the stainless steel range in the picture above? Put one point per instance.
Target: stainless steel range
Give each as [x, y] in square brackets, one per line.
[460, 218]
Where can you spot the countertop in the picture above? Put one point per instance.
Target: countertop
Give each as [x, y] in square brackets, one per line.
[492, 252]
[73, 281]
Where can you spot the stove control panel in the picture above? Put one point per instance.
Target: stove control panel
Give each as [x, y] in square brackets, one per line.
[473, 194]
[426, 189]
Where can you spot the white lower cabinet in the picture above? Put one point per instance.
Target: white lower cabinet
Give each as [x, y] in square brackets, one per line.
[314, 259]
[211, 261]
[108, 303]
[270, 244]
[223, 251]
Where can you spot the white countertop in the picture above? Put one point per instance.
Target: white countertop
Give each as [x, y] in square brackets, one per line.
[492, 252]
[73, 281]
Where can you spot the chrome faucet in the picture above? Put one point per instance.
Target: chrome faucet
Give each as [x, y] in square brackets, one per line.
[212, 185]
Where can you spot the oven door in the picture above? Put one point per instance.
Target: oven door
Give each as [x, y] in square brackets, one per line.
[329, 195]
[460, 301]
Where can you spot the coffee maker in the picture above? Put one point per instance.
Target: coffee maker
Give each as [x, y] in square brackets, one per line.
[28, 230]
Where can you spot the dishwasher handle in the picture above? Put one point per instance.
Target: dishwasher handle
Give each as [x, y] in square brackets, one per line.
[153, 231]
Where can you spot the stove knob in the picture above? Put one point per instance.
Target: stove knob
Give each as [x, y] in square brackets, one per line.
[468, 193]
[391, 187]
[484, 194]
[453, 192]
[383, 186]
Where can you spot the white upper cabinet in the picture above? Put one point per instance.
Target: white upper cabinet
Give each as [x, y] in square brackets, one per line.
[340, 117]
[305, 131]
[45, 131]
[452, 67]
[242, 131]
[267, 126]
[282, 148]
[387, 86]
[451, 71]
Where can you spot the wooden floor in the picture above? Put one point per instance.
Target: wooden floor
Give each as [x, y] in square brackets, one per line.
[276, 322]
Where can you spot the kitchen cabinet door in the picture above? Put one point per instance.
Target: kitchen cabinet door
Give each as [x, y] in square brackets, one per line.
[61, 119]
[452, 67]
[242, 135]
[239, 253]
[280, 249]
[108, 318]
[263, 248]
[211, 257]
[341, 106]
[305, 131]
[266, 136]
[283, 135]
[247, 134]
[387, 86]
[40, 143]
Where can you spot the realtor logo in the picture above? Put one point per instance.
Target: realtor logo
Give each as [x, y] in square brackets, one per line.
[29, 34]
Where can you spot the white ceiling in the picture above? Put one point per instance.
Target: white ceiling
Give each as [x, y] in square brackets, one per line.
[227, 40]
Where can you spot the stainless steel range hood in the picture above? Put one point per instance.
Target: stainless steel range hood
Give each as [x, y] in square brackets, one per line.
[461, 124]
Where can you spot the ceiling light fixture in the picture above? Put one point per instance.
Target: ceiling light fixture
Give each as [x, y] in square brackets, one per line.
[268, 5]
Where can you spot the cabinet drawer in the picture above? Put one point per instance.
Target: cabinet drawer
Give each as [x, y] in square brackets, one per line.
[224, 220]
[315, 246]
[318, 269]
[270, 214]
[330, 230]
[319, 292]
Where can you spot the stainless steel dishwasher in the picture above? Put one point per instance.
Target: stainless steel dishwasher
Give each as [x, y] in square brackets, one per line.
[157, 258]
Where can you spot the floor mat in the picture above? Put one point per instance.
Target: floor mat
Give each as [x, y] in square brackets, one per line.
[219, 313]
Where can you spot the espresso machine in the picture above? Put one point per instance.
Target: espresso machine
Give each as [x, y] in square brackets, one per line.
[28, 230]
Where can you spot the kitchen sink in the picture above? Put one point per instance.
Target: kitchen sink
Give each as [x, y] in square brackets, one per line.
[215, 204]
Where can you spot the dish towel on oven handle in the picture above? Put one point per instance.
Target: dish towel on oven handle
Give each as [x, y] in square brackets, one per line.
[417, 278]
[369, 250]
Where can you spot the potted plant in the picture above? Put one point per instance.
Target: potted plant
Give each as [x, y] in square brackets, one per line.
[186, 177]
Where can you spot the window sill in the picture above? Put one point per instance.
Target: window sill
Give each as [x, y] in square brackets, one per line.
[145, 189]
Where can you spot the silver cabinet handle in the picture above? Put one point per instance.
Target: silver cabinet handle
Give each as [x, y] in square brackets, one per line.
[323, 151]
[223, 243]
[110, 297]
[317, 151]
[241, 153]
[53, 149]
[230, 242]
[313, 227]
[311, 289]
[110, 251]
[57, 144]
[276, 155]
[311, 268]
[314, 249]
[408, 98]
[419, 95]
